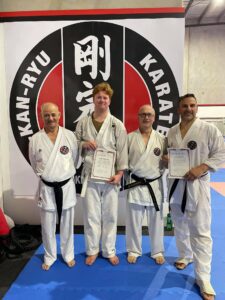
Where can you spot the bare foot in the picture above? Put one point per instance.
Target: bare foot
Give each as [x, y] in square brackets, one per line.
[71, 263]
[91, 259]
[45, 267]
[206, 290]
[114, 260]
[131, 259]
[180, 265]
[159, 260]
[206, 296]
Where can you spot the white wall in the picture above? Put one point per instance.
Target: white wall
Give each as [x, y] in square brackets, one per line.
[204, 63]
[25, 5]
[4, 120]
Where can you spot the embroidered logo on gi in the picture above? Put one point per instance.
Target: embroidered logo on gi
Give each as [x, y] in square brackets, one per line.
[64, 150]
[157, 151]
[192, 145]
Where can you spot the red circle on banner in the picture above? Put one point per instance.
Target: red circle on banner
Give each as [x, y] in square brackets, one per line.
[136, 95]
[51, 91]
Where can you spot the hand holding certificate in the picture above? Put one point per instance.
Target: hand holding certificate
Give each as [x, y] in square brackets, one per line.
[103, 164]
[179, 162]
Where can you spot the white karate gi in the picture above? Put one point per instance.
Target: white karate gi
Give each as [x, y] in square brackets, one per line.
[192, 229]
[145, 161]
[55, 163]
[101, 199]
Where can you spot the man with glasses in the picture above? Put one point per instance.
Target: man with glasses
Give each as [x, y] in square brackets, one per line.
[145, 148]
[53, 155]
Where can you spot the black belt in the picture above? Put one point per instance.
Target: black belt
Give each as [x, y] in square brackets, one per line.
[184, 198]
[57, 186]
[139, 181]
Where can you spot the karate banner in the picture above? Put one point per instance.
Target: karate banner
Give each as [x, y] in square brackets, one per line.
[60, 56]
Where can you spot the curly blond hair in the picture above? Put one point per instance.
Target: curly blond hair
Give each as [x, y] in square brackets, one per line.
[103, 87]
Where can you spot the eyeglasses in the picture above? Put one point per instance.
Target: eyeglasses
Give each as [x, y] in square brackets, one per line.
[145, 115]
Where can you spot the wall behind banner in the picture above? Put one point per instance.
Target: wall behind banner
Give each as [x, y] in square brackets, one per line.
[204, 63]
[24, 5]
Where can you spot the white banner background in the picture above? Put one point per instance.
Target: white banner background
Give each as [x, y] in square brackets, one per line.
[166, 34]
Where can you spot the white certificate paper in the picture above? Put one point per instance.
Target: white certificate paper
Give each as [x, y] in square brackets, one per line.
[103, 164]
[179, 162]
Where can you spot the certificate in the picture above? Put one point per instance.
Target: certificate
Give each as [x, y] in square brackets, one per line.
[179, 162]
[103, 164]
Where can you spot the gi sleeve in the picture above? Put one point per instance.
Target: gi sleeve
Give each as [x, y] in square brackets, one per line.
[75, 152]
[216, 148]
[121, 148]
[79, 137]
[32, 156]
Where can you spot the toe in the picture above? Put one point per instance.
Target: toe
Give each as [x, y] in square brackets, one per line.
[71, 263]
[114, 260]
[45, 267]
[131, 259]
[160, 260]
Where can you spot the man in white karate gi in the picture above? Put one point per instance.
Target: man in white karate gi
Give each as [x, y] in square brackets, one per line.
[53, 155]
[190, 197]
[146, 148]
[101, 130]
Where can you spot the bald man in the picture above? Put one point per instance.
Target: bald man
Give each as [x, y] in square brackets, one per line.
[53, 155]
[145, 148]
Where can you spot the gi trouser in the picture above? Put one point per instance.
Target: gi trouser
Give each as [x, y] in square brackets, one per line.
[193, 236]
[48, 225]
[134, 220]
[100, 210]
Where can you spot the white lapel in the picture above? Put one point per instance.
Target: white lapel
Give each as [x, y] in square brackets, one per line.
[53, 154]
[101, 134]
[190, 133]
[178, 136]
[144, 150]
